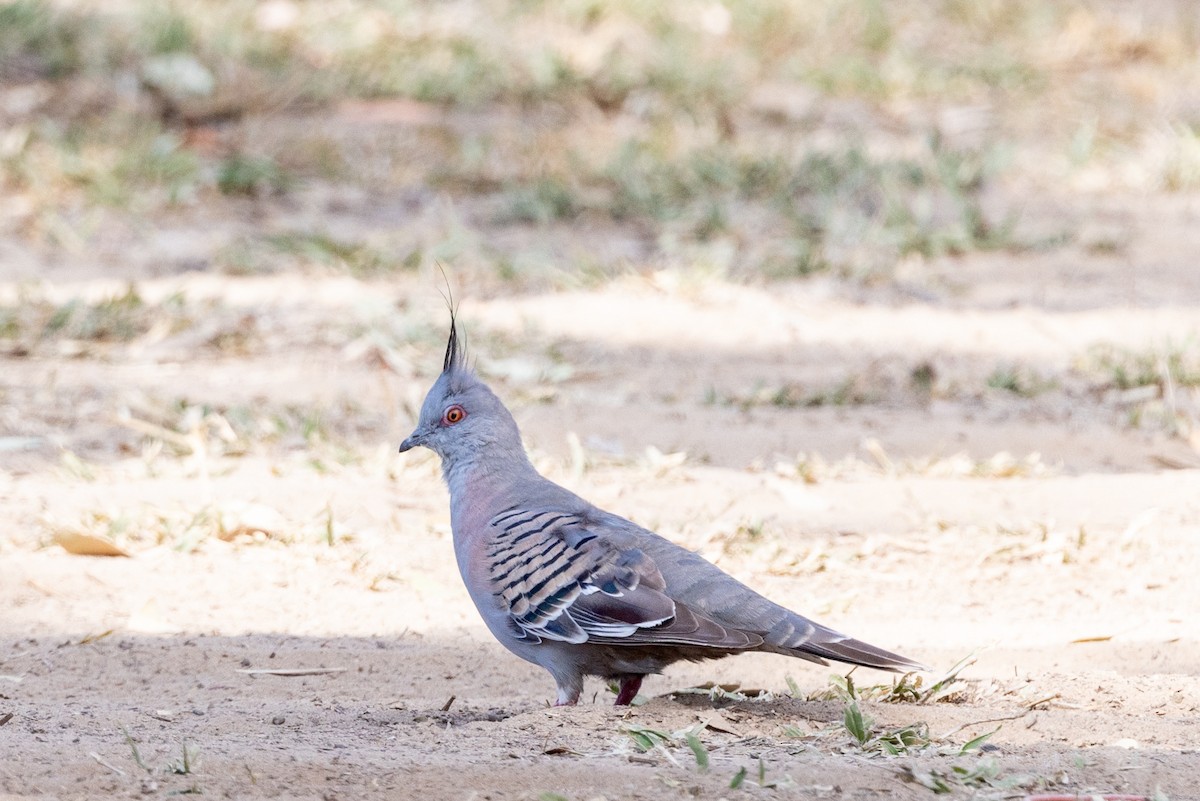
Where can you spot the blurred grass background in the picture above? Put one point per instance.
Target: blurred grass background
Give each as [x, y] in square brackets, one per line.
[540, 144]
[935, 160]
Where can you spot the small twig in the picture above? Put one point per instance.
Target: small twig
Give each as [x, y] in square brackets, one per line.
[290, 671]
[742, 741]
[18, 655]
[1028, 708]
[974, 723]
[106, 764]
[151, 430]
[89, 639]
[1031, 706]
[887, 769]
[449, 702]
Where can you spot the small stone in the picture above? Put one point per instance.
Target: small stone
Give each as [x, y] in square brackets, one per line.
[277, 720]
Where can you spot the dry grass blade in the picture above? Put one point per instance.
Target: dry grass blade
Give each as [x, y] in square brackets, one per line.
[184, 766]
[106, 763]
[948, 683]
[90, 638]
[732, 692]
[137, 756]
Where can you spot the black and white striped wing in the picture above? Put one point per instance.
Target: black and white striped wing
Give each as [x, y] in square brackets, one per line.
[561, 579]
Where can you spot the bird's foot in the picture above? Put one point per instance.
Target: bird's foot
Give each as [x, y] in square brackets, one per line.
[567, 696]
[629, 690]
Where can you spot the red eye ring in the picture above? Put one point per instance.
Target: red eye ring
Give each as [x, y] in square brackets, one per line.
[453, 414]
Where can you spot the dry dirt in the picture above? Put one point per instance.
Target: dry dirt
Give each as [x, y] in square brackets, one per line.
[1070, 575]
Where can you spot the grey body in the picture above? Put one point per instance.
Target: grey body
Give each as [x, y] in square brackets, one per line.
[580, 591]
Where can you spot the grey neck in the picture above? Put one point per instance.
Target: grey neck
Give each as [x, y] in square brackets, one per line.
[485, 472]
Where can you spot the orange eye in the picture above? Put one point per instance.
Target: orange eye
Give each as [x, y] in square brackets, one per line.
[453, 414]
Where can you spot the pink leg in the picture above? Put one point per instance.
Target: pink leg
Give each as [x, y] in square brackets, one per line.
[629, 690]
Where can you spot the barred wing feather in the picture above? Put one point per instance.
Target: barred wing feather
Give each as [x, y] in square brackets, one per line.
[560, 579]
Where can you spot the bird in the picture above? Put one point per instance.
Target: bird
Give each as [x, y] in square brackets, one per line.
[578, 590]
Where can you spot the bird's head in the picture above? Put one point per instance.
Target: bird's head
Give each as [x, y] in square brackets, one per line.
[461, 418]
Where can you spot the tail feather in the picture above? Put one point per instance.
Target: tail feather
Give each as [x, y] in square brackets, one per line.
[856, 652]
[702, 586]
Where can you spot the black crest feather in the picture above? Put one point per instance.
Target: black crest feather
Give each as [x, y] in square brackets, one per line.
[454, 352]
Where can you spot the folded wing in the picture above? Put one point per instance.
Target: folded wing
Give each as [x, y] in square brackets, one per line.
[560, 580]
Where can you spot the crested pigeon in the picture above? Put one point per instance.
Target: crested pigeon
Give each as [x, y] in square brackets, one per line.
[578, 590]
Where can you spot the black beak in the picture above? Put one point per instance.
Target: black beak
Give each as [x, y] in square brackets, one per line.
[410, 443]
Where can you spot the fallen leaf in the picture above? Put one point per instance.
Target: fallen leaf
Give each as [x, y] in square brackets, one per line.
[561, 750]
[719, 723]
[80, 544]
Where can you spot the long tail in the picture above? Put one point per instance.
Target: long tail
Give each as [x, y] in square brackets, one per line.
[828, 644]
[796, 635]
[711, 592]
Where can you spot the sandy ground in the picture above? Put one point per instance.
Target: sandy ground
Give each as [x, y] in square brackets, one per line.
[1065, 569]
